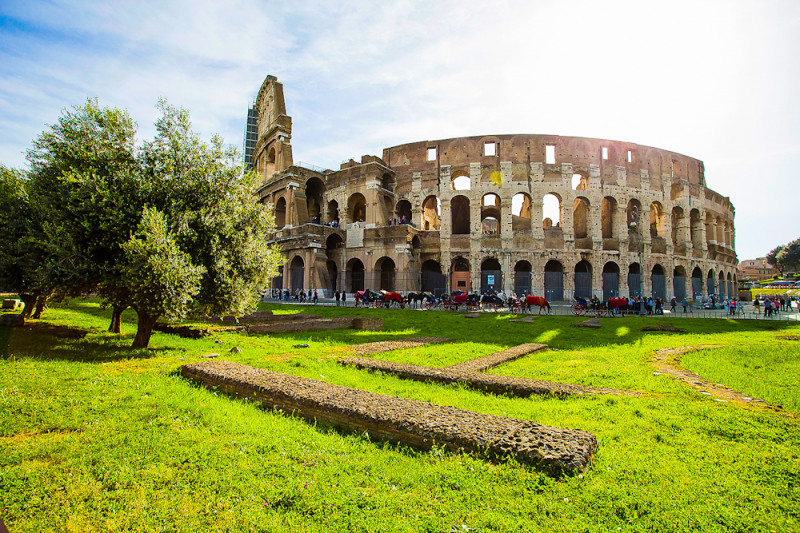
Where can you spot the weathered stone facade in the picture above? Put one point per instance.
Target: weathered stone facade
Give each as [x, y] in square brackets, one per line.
[541, 214]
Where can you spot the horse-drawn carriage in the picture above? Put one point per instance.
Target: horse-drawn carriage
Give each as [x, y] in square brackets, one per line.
[593, 306]
[368, 298]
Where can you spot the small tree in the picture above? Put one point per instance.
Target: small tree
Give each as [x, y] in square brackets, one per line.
[160, 278]
[85, 185]
[212, 218]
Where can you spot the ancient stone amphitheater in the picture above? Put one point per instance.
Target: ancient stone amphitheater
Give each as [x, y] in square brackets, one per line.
[539, 214]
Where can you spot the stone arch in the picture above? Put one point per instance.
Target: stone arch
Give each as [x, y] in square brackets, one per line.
[490, 214]
[523, 277]
[610, 280]
[731, 293]
[297, 269]
[633, 203]
[580, 220]
[388, 181]
[635, 280]
[679, 282]
[460, 275]
[521, 209]
[608, 210]
[551, 210]
[710, 282]
[697, 282]
[333, 211]
[332, 275]
[720, 237]
[354, 275]
[357, 208]
[432, 280]
[658, 282]
[334, 247]
[491, 275]
[315, 189]
[280, 213]
[721, 287]
[386, 270]
[554, 281]
[695, 228]
[271, 166]
[657, 220]
[459, 215]
[460, 181]
[678, 238]
[403, 211]
[583, 279]
[431, 210]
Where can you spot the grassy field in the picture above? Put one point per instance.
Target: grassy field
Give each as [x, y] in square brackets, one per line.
[95, 436]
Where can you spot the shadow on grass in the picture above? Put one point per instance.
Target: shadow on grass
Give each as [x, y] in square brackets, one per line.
[36, 343]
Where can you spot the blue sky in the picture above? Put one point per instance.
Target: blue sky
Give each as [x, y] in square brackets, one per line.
[715, 80]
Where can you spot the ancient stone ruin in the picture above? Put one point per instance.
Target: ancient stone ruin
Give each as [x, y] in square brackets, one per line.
[422, 425]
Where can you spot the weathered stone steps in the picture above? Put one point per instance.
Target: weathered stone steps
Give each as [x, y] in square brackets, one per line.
[557, 451]
[388, 346]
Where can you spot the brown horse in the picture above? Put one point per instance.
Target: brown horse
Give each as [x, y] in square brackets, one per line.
[540, 301]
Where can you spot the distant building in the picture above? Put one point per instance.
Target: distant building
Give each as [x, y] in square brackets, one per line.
[756, 269]
[537, 214]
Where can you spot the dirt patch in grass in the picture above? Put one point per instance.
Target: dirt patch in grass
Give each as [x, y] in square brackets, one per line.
[667, 361]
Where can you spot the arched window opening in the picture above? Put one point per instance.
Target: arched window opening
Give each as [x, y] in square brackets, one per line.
[656, 220]
[403, 212]
[521, 207]
[490, 214]
[459, 214]
[695, 227]
[461, 182]
[490, 226]
[280, 213]
[357, 208]
[387, 182]
[551, 210]
[608, 208]
[678, 237]
[314, 191]
[580, 218]
[333, 213]
[431, 211]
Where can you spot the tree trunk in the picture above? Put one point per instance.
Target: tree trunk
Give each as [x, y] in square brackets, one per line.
[116, 319]
[41, 304]
[29, 301]
[144, 329]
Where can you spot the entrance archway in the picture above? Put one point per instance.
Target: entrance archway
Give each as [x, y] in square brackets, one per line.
[354, 275]
[522, 278]
[583, 280]
[491, 276]
[610, 280]
[554, 281]
[460, 276]
[297, 267]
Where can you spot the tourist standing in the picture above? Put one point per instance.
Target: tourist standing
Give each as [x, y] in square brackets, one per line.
[338, 297]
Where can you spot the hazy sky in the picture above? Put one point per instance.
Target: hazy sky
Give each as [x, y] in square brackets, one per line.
[718, 81]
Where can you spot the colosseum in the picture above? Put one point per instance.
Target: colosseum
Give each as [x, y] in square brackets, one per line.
[537, 214]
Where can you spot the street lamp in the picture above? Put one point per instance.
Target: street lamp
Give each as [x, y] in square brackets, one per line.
[635, 227]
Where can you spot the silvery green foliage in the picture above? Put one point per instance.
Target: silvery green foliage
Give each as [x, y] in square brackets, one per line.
[160, 277]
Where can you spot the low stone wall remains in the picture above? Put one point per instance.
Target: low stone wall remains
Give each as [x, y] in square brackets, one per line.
[422, 425]
[288, 326]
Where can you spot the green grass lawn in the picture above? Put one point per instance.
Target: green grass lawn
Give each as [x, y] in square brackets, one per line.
[96, 436]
